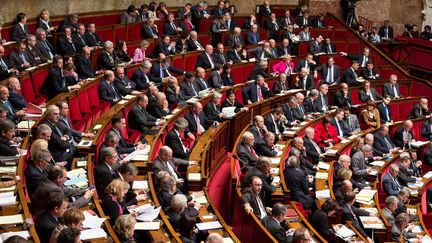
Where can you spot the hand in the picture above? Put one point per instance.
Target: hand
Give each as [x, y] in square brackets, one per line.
[141, 197]
[16, 179]
[418, 163]
[179, 181]
[369, 240]
[191, 136]
[356, 190]
[344, 54]
[141, 146]
[88, 135]
[162, 122]
[248, 208]
[337, 227]
[315, 75]
[372, 214]
[88, 194]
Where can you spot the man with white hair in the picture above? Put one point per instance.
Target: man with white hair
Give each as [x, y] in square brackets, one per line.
[107, 59]
[420, 110]
[391, 88]
[312, 148]
[235, 38]
[359, 163]
[253, 37]
[166, 162]
[304, 80]
[205, 60]
[192, 43]
[322, 102]
[404, 136]
[141, 76]
[175, 142]
[159, 108]
[258, 129]
[246, 153]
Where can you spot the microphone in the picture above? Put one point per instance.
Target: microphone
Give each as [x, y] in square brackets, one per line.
[242, 164]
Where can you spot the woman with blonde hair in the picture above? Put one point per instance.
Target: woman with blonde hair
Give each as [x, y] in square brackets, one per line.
[72, 218]
[125, 228]
[112, 203]
[140, 52]
[286, 65]
[44, 21]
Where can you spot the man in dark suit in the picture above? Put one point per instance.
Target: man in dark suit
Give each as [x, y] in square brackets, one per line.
[284, 48]
[175, 142]
[6, 69]
[7, 131]
[65, 45]
[339, 124]
[308, 62]
[259, 70]
[215, 80]
[61, 142]
[297, 181]
[385, 110]
[319, 21]
[382, 141]
[159, 107]
[368, 93]
[391, 88]
[219, 10]
[390, 182]
[64, 120]
[107, 90]
[193, 44]
[350, 74]
[170, 27]
[162, 71]
[197, 120]
[351, 213]
[19, 58]
[403, 136]
[200, 79]
[45, 224]
[264, 52]
[20, 29]
[34, 56]
[285, 21]
[205, 60]
[310, 101]
[36, 170]
[189, 87]
[258, 129]
[292, 112]
[252, 36]
[312, 149]
[12, 113]
[362, 59]
[235, 38]
[122, 83]
[15, 98]
[118, 125]
[56, 178]
[304, 20]
[386, 31]
[420, 110]
[246, 153]
[405, 175]
[166, 162]
[265, 147]
[265, 10]
[44, 47]
[315, 47]
[199, 12]
[329, 47]
[219, 57]
[299, 151]
[272, 26]
[330, 73]
[230, 23]
[426, 131]
[107, 59]
[274, 123]
[216, 29]
[275, 223]
[252, 200]
[104, 172]
[212, 110]
[321, 103]
[83, 64]
[91, 38]
[141, 76]
[237, 54]
[370, 73]
[351, 121]
[165, 46]
[342, 97]
[139, 119]
[55, 82]
[256, 91]
[149, 30]
[78, 37]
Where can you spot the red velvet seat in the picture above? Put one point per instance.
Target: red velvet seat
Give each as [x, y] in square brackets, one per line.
[86, 111]
[190, 60]
[38, 78]
[134, 31]
[106, 33]
[133, 135]
[121, 32]
[75, 114]
[27, 91]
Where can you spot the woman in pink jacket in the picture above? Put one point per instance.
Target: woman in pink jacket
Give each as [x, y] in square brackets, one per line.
[284, 66]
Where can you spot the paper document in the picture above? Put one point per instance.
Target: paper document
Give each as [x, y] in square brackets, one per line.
[91, 221]
[209, 225]
[227, 240]
[6, 194]
[25, 124]
[85, 143]
[323, 166]
[321, 175]
[344, 232]
[229, 111]
[8, 201]
[149, 214]
[122, 102]
[378, 163]
[275, 161]
[274, 171]
[129, 97]
[12, 219]
[147, 226]
[93, 234]
[23, 234]
[194, 176]
[371, 222]
[140, 185]
[331, 151]
[323, 194]
[192, 100]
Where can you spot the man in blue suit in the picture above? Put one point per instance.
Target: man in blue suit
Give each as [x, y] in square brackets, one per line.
[256, 91]
[162, 70]
[107, 90]
[253, 37]
[382, 141]
[390, 182]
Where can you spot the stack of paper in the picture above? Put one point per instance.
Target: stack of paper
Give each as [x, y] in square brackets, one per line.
[7, 198]
[147, 226]
[5, 236]
[321, 175]
[128, 97]
[417, 229]
[323, 194]
[12, 219]
[331, 152]
[77, 178]
[378, 163]
[345, 233]
[140, 185]
[428, 175]
[370, 210]
[209, 225]
[93, 234]
[85, 143]
[138, 155]
[275, 161]
[8, 169]
[147, 212]
[276, 179]
[229, 111]
[323, 166]
[194, 176]
[418, 184]
[289, 133]
[91, 221]
[371, 222]
[365, 196]
[419, 144]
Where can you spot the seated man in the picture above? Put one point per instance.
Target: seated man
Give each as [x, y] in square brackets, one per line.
[275, 223]
[107, 91]
[299, 150]
[174, 140]
[390, 182]
[259, 70]
[391, 204]
[197, 120]
[57, 176]
[166, 162]
[193, 43]
[189, 87]
[165, 46]
[46, 223]
[426, 131]
[370, 73]
[322, 103]
[159, 107]
[65, 45]
[292, 112]
[330, 72]
[266, 147]
[107, 59]
[351, 213]
[256, 91]
[404, 135]
[122, 83]
[350, 74]
[55, 83]
[385, 110]
[405, 175]
[304, 81]
[36, 170]
[179, 206]
[161, 71]
[391, 88]
[259, 128]
[65, 121]
[139, 119]
[8, 145]
[420, 110]
[246, 153]
[359, 163]
[91, 37]
[212, 109]
[312, 149]
[339, 124]
[351, 122]
[329, 47]
[205, 60]
[369, 93]
[118, 125]
[253, 37]
[310, 102]
[83, 64]
[104, 171]
[362, 58]
[297, 182]
[141, 76]
[382, 141]
[307, 63]
[275, 123]
[252, 200]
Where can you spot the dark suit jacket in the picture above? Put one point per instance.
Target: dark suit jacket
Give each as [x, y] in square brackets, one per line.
[232, 40]
[174, 142]
[188, 89]
[345, 132]
[257, 133]
[123, 146]
[246, 157]
[34, 176]
[215, 80]
[347, 216]
[139, 78]
[428, 156]
[103, 177]
[388, 90]
[297, 181]
[317, 23]
[381, 32]
[309, 105]
[398, 137]
[84, 67]
[45, 225]
[68, 126]
[350, 76]
[79, 42]
[252, 38]
[146, 33]
[319, 102]
[270, 124]
[65, 47]
[277, 87]
[314, 47]
[56, 145]
[106, 93]
[365, 98]
[17, 100]
[18, 33]
[156, 110]
[4, 72]
[326, 48]
[275, 229]
[258, 70]
[212, 113]
[233, 57]
[405, 177]
[203, 61]
[192, 127]
[220, 58]
[267, 187]
[34, 56]
[319, 221]
[111, 208]
[311, 150]
[418, 112]
[302, 21]
[359, 58]
[380, 146]
[169, 30]
[159, 166]
[155, 72]
[250, 93]
[383, 116]
[389, 185]
[227, 80]
[309, 84]
[427, 130]
[192, 46]
[43, 50]
[124, 86]
[16, 61]
[341, 101]
[139, 119]
[250, 197]
[262, 149]
[104, 62]
[162, 48]
[323, 70]
[54, 83]
[282, 51]
[173, 97]
[92, 39]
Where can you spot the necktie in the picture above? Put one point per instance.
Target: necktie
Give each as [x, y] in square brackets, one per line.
[386, 33]
[386, 111]
[339, 128]
[184, 147]
[288, 22]
[237, 55]
[364, 61]
[228, 23]
[193, 89]
[82, 40]
[253, 153]
[254, 39]
[222, 57]
[8, 107]
[73, 46]
[203, 83]
[114, 92]
[58, 130]
[396, 182]
[171, 170]
[151, 31]
[22, 56]
[174, 27]
[276, 127]
[395, 91]
[67, 122]
[288, 70]
[259, 93]
[210, 60]
[353, 214]
[283, 86]
[330, 75]
[110, 58]
[324, 104]
[388, 144]
[317, 148]
[198, 45]
[3, 64]
[330, 49]
[261, 207]
[301, 110]
[236, 39]
[48, 50]
[198, 125]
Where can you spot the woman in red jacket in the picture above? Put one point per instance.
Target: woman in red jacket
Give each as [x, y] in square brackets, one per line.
[326, 134]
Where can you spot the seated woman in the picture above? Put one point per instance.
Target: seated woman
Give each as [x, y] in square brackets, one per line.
[121, 53]
[356, 145]
[231, 101]
[226, 75]
[140, 52]
[371, 115]
[125, 228]
[326, 134]
[286, 65]
[72, 218]
[305, 34]
[168, 189]
[319, 219]
[112, 203]
[161, 11]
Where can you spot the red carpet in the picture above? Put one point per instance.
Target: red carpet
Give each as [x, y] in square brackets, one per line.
[219, 188]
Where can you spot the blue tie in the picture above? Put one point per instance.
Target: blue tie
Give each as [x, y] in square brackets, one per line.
[387, 113]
